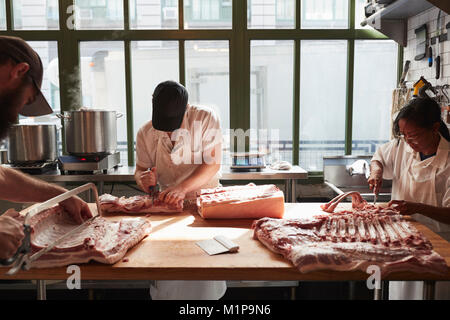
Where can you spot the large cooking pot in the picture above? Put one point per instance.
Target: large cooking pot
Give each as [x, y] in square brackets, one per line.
[90, 131]
[32, 143]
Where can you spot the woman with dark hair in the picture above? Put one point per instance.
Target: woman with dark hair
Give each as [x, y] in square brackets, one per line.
[418, 163]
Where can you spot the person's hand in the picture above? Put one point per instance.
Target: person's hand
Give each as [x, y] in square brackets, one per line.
[147, 179]
[404, 207]
[173, 196]
[375, 181]
[77, 208]
[11, 234]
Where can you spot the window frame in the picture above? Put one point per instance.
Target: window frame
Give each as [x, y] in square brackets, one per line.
[239, 37]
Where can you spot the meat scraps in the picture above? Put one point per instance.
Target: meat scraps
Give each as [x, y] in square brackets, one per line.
[236, 202]
[351, 240]
[101, 240]
[136, 204]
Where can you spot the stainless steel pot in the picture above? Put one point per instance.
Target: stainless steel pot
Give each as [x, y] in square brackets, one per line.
[32, 143]
[90, 132]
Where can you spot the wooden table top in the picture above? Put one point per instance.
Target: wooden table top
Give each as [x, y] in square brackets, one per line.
[170, 253]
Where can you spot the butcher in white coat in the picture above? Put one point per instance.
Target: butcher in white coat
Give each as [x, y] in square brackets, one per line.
[181, 149]
[418, 162]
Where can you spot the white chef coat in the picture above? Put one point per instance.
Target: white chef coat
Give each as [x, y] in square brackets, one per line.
[200, 131]
[427, 182]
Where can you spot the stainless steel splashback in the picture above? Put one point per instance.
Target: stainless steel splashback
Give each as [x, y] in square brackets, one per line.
[338, 176]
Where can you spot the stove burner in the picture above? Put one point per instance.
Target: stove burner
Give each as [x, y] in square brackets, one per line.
[89, 164]
[35, 168]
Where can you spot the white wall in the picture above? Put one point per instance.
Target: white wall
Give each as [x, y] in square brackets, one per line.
[420, 68]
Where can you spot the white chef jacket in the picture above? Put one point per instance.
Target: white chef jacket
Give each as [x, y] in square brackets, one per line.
[427, 182]
[199, 133]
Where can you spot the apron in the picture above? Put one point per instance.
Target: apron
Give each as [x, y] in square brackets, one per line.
[170, 174]
[417, 183]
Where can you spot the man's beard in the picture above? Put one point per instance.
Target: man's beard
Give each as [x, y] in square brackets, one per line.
[9, 108]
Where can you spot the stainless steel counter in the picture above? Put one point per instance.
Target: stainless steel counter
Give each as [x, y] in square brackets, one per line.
[126, 174]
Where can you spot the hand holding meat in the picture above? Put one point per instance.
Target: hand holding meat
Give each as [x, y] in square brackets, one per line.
[11, 234]
[376, 177]
[77, 208]
[173, 196]
[404, 207]
[147, 179]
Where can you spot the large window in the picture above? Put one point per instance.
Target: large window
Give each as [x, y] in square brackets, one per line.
[299, 77]
[375, 75]
[36, 14]
[272, 93]
[322, 101]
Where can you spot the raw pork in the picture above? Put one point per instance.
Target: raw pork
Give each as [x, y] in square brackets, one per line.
[250, 201]
[136, 204]
[349, 241]
[101, 240]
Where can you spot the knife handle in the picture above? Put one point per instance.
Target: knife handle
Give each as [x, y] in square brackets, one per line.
[438, 67]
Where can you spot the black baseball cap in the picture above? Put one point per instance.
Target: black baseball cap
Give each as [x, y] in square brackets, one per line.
[20, 51]
[169, 106]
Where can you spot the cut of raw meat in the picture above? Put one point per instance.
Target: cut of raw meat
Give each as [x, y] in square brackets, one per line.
[349, 241]
[236, 202]
[101, 240]
[357, 201]
[136, 204]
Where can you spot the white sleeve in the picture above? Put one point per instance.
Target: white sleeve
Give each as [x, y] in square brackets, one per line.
[142, 154]
[212, 132]
[385, 154]
[446, 199]
[212, 137]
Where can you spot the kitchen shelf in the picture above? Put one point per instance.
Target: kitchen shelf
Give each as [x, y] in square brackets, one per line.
[392, 20]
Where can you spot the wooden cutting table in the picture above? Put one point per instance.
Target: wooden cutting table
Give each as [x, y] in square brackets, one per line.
[170, 253]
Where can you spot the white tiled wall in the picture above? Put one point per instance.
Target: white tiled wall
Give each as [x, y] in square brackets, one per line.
[420, 68]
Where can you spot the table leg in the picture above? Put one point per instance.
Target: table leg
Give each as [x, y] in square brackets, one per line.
[429, 290]
[41, 290]
[293, 195]
[377, 294]
[287, 188]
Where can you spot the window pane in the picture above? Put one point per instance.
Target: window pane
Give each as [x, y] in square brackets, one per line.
[154, 14]
[324, 14]
[2, 15]
[99, 14]
[272, 79]
[36, 14]
[103, 83]
[208, 78]
[360, 15]
[322, 101]
[375, 77]
[152, 62]
[48, 52]
[208, 14]
[271, 14]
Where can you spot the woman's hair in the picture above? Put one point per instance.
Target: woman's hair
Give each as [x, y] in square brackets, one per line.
[424, 112]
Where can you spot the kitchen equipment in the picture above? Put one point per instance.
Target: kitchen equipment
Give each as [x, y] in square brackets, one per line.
[32, 144]
[23, 258]
[246, 161]
[421, 42]
[339, 178]
[438, 44]
[217, 245]
[90, 164]
[3, 156]
[90, 131]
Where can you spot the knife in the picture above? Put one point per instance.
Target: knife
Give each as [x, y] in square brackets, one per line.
[24, 260]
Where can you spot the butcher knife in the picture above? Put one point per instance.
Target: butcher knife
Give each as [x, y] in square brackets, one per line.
[217, 245]
[24, 259]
